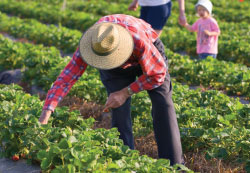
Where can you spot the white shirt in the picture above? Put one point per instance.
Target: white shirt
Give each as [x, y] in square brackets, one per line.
[152, 2]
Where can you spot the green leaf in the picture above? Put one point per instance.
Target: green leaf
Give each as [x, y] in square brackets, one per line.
[223, 134]
[182, 167]
[42, 154]
[72, 139]
[74, 153]
[248, 166]
[230, 117]
[45, 163]
[63, 144]
[55, 149]
[113, 167]
[222, 153]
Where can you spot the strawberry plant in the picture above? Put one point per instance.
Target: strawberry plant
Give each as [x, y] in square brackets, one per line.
[67, 143]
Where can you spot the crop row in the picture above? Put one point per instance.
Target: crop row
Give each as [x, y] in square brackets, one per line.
[40, 65]
[209, 121]
[35, 61]
[211, 73]
[49, 14]
[48, 35]
[67, 143]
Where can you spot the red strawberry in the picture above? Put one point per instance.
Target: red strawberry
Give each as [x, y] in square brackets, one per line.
[15, 158]
[106, 110]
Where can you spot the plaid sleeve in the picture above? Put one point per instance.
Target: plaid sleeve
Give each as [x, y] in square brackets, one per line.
[153, 67]
[71, 73]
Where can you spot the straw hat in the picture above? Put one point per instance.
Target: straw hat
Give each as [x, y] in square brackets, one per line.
[106, 46]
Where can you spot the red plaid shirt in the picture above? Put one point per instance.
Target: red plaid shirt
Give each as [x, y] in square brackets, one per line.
[145, 54]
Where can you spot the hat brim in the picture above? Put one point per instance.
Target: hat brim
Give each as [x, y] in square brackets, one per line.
[114, 59]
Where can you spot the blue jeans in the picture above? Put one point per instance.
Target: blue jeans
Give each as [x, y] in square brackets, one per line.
[205, 55]
[165, 124]
[156, 16]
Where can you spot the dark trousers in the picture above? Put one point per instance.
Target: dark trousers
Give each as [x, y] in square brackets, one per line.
[163, 113]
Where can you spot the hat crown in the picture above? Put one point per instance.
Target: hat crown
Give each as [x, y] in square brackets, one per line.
[106, 45]
[205, 3]
[105, 39]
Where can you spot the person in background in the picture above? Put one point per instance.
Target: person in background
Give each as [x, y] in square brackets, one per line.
[157, 12]
[130, 58]
[207, 30]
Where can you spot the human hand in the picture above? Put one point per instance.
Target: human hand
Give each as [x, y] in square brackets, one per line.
[182, 19]
[133, 6]
[185, 24]
[208, 33]
[116, 99]
[45, 116]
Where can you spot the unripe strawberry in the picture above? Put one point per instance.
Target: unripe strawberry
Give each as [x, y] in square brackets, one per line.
[23, 155]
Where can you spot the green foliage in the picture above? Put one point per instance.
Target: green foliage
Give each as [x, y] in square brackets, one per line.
[49, 14]
[49, 35]
[67, 143]
[222, 75]
[209, 121]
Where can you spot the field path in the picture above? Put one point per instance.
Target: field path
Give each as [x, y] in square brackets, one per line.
[9, 166]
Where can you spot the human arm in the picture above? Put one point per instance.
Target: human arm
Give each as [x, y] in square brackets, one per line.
[193, 27]
[154, 70]
[188, 27]
[182, 16]
[62, 85]
[215, 30]
[44, 117]
[116, 99]
[211, 33]
[152, 64]
[133, 6]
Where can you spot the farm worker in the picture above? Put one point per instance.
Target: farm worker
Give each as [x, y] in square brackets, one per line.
[157, 12]
[207, 30]
[123, 47]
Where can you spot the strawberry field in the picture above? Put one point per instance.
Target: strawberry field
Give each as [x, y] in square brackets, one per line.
[39, 36]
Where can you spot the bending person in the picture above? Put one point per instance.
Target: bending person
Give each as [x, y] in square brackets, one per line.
[123, 48]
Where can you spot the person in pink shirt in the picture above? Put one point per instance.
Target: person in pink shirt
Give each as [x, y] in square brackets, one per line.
[207, 30]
